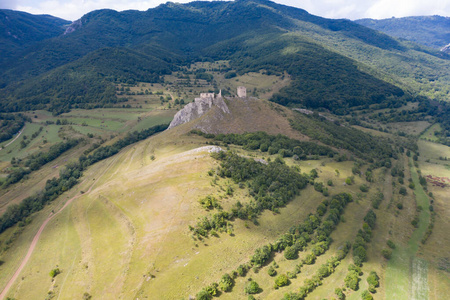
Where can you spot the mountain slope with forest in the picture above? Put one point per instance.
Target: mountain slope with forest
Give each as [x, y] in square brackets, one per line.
[430, 31]
[301, 44]
[21, 30]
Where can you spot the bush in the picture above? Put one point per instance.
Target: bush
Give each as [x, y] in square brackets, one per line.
[386, 253]
[281, 280]
[373, 279]
[361, 253]
[212, 289]
[226, 283]
[310, 259]
[203, 295]
[390, 244]
[352, 280]
[402, 190]
[399, 206]
[339, 293]
[242, 270]
[271, 271]
[252, 288]
[364, 188]
[366, 296]
[55, 272]
[291, 253]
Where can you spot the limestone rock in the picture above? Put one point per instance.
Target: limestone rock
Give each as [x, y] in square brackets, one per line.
[198, 108]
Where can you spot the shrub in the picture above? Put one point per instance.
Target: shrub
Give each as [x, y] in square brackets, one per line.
[373, 280]
[339, 293]
[242, 270]
[310, 259]
[387, 253]
[399, 206]
[252, 288]
[271, 271]
[212, 289]
[402, 190]
[361, 253]
[366, 296]
[55, 272]
[281, 280]
[352, 280]
[364, 188]
[203, 295]
[226, 283]
[390, 244]
[291, 252]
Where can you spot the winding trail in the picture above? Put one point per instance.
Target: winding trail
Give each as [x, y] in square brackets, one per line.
[34, 243]
[20, 132]
[38, 235]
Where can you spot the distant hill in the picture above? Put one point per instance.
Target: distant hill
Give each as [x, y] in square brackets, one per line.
[334, 64]
[431, 31]
[20, 30]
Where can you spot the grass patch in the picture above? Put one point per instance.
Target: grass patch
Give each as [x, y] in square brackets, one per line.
[406, 274]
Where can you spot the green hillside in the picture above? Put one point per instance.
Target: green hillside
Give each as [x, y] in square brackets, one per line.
[22, 30]
[430, 31]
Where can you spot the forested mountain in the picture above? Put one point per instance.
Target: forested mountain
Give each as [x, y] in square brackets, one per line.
[334, 64]
[20, 30]
[431, 31]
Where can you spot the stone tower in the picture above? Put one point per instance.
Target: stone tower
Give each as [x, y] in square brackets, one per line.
[242, 92]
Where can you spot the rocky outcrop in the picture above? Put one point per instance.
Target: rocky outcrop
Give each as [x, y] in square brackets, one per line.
[74, 26]
[198, 108]
[446, 49]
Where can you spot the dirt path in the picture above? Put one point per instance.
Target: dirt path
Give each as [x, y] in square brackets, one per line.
[33, 245]
[20, 132]
[38, 235]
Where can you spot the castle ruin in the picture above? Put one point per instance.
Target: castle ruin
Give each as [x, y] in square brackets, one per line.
[242, 92]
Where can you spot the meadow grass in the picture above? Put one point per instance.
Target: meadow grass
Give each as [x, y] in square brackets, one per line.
[406, 274]
[429, 133]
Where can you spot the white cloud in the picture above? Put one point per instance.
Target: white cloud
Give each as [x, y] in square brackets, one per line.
[350, 9]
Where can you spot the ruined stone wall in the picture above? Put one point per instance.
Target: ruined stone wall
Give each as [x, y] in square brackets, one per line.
[242, 92]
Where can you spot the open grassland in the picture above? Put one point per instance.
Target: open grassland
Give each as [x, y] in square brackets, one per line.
[44, 140]
[129, 237]
[410, 128]
[429, 133]
[437, 248]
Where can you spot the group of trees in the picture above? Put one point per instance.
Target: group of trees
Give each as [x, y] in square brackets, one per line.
[271, 186]
[10, 124]
[272, 144]
[363, 237]
[359, 143]
[296, 239]
[36, 161]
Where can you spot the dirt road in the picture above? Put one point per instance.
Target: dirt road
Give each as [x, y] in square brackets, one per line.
[41, 229]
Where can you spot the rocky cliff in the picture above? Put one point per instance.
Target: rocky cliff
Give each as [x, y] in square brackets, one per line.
[197, 109]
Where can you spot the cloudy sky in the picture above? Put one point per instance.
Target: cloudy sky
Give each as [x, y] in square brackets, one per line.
[350, 9]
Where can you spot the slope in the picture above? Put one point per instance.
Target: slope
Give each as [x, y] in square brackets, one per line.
[22, 30]
[430, 31]
[322, 51]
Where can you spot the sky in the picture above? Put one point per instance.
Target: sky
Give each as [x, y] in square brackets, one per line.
[350, 9]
